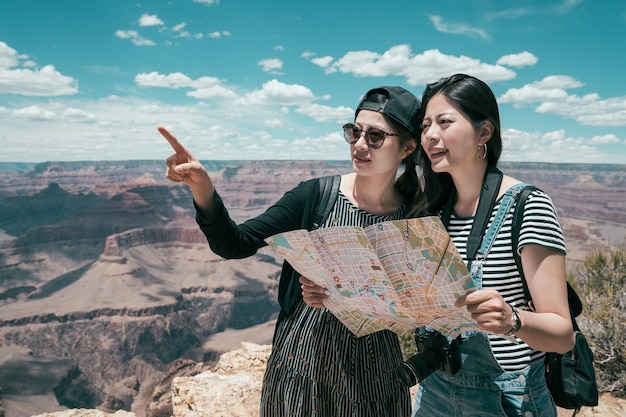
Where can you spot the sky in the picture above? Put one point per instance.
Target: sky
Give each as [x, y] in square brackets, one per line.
[256, 80]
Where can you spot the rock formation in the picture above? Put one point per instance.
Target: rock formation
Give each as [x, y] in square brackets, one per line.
[109, 289]
[232, 389]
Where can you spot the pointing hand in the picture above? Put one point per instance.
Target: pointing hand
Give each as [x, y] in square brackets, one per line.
[183, 167]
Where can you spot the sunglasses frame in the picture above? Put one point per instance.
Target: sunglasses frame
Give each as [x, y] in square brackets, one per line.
[349, 130]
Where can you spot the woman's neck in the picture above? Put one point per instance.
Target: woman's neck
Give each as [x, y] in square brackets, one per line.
[468, 187]
[376, 195]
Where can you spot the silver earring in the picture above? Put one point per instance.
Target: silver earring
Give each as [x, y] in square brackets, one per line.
[484, 154]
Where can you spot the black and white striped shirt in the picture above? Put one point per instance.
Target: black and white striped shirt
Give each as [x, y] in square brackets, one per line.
[540, 226]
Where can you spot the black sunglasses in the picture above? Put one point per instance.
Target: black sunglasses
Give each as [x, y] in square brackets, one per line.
[373, 136]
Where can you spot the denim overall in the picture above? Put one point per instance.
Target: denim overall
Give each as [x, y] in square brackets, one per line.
[481, 387]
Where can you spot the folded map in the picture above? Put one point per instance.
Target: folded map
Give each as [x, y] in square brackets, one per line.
[396, 275]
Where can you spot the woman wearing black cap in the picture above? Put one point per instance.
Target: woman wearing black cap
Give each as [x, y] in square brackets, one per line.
[317, 366]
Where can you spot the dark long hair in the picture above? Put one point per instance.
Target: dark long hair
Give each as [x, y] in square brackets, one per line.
[476, 101]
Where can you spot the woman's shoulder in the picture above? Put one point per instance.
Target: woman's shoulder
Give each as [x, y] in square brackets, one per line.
[508, 182]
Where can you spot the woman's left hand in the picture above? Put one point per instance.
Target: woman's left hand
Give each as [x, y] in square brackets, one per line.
[313, 294]
[489, 310]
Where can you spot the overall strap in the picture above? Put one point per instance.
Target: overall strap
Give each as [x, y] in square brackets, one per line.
[508, 198]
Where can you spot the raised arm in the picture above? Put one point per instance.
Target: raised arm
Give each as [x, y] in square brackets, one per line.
[183, 167]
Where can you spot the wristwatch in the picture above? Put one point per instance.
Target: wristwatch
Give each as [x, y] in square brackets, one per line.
[517, 322]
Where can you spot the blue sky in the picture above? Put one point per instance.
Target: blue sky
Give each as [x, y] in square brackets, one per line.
[247, 79]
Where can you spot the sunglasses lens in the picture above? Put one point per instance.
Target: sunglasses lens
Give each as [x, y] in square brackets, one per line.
[351, 133]
[376, 138]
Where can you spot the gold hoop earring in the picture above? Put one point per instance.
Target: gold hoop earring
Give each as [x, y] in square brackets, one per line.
[484, 154]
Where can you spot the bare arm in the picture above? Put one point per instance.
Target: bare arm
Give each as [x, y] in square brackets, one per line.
[549, 328]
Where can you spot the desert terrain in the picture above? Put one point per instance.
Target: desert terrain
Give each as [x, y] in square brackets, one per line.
[108, 290]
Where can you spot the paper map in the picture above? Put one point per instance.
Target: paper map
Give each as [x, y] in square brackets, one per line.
[395, 275]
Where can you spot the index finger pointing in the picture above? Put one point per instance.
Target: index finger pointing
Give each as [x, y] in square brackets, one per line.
[176, 145]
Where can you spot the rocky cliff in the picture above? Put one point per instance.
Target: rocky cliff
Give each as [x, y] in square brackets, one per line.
[109, 289]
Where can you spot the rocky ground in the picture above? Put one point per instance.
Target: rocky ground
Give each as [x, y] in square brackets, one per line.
[232, 389]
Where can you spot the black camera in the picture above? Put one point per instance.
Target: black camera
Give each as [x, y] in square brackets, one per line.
[435, 351]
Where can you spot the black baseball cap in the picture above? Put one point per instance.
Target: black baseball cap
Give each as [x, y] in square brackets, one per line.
[402, 106]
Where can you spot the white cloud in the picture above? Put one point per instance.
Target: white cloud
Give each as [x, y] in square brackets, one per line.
[217, 35]
[553, 98]
[205, 82]
[44, 82]
[553, 146]
[531, 93]
[327, 114]
[150, 20]
[276, 93]
[603, 117]
[134, 37]
[180, 32]
[207, 2]
[271, 64]
[551, 88]
[8, 56]
[559, 81]
[203, 87]
[216, 91]
[417, 69]
[273, 123]
[78, 115]
[567, 6]
[34, 112]
[323, 61]
[457, 28]
[606, 139]
[522, 59]
[154, 79]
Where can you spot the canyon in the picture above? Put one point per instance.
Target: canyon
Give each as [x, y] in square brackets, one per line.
[108, 290]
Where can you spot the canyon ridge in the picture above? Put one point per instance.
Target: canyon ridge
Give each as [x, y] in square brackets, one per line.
[108, 290]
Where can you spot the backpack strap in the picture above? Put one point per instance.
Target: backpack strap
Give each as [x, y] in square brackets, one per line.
[516, 225]
[328, 192]
[575, 304]
[486, 201]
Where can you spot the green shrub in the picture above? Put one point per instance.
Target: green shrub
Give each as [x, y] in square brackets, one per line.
[601, 283]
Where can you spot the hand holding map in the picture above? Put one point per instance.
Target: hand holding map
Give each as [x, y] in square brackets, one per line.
[395, 275]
